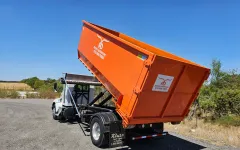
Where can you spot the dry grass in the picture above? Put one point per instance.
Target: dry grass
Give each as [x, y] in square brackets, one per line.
[215, 134]
[15, 86]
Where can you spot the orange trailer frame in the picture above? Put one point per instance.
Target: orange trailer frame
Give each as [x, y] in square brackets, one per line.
[149, 84]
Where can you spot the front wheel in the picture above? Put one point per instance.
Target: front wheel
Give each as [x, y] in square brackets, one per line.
[54, 113]
[97, 132]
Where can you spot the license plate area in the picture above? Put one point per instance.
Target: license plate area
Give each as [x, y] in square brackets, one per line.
[116, 135]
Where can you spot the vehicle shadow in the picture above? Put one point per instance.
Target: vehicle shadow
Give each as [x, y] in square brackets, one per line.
[83, 126]
[169, 142]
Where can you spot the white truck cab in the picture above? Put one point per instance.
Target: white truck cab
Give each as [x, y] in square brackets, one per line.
[78, 89]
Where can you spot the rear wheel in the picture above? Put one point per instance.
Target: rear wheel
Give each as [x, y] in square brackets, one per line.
[158, 127]
[97, 132]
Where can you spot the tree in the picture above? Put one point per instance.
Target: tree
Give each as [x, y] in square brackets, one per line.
[38, 84]
[49, 80]
[30, 81]
[216, 70]
[221, 97]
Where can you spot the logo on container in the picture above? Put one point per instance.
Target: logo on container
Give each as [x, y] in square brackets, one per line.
[100, 45]
[162, 83]
[98, 50]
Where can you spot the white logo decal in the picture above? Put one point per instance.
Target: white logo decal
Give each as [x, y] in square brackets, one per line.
[98, 50]
[100, 45]
[162, 83]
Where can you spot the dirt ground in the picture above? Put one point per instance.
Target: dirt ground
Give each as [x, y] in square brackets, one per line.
[28, 124]
[216, 134]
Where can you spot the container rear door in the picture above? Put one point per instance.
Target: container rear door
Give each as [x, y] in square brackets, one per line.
[170, 88]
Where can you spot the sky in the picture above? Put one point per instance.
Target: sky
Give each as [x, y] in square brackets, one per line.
[40, 37]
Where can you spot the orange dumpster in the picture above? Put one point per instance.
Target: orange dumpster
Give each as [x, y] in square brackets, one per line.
[149, 85]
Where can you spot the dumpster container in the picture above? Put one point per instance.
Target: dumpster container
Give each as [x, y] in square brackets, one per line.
[149, 85]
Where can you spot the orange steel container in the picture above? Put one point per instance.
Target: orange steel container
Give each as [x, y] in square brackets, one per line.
[150, 85]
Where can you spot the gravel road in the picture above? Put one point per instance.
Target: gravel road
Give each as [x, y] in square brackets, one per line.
[28, 124]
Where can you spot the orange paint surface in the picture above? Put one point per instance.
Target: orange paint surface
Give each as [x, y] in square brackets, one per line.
[149, 84]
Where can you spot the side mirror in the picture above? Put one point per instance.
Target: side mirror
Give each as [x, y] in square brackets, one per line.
[55, 87]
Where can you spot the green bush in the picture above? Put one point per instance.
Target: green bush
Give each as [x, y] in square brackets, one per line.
[38, 84]
[30, 81]
[206, 99]
[227, 102]
[13, 94]
[228, 120]
[3, 93]
[32, 95]
[219, 98]
[9, 94]
[47, 94]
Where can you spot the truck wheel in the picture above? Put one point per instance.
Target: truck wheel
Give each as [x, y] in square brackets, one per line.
[54, 113]
[158, 127]
[97, 132]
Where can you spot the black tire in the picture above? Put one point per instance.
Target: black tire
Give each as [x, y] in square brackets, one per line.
[158, 127]
[102, 140]
[54, 113]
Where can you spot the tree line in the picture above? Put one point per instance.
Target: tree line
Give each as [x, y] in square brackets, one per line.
[43, 87]
[219, 97]
[38, 84]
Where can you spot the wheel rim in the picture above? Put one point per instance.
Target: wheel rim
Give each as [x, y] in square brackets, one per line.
[96, 131]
